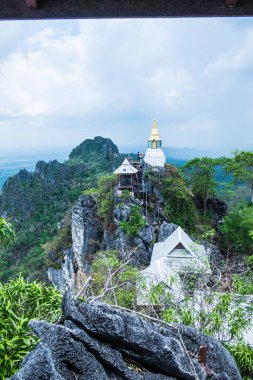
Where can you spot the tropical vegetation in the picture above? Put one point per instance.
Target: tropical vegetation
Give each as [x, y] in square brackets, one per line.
[38, 207]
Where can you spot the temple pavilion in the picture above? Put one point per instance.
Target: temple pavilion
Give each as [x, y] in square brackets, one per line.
[177, 255]
[155, 156]
[127, 175]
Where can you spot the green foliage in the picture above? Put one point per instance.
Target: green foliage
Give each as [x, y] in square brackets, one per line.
[178, 199]
[136, 221]
[250, 260]
[179, 207]
[97, 149]
[21, 301]
[92, 191]
[114, 280]
[237, 230]
[63, 240]
[240, 167]
[7, 233]
[124, 196]
[200, 173]
[243, 284]
[105, 196]
[205, 233]
[216, 314]
[38, 202]
[243, 355]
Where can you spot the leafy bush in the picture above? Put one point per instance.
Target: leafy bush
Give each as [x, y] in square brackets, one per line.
[243, 355]
[214, 313]
[6, 232]
[237, 230]
[21, 301]
[135, 223]
[179, 206]
[114, 280]
[243, 284]
[103, 195]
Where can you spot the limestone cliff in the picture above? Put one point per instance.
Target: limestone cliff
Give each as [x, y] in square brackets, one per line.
[90, 235]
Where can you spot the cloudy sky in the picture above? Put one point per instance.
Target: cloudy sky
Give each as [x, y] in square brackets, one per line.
[64, 81]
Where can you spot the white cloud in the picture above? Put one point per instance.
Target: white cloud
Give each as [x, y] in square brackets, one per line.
[51, 78]
[61, 82]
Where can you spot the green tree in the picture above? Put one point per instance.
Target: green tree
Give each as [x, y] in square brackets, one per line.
[200, 173]
[245, 158]
[237, 229]
[178, 202]
[235, 167]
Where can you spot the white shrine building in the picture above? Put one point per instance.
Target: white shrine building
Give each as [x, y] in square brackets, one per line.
[154, 155]
[177, 255]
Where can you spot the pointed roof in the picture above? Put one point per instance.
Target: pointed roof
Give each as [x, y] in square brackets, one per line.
[177, 237]
[125, 168]
[154, 133]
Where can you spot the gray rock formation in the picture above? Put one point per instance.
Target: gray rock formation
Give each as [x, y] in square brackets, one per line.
[87, 229]
[89, 235]
[166, 230]
[65, 277]
[142, 244]
[100, 342]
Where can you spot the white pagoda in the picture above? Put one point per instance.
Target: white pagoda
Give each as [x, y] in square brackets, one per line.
[154, 154]
[177, 255]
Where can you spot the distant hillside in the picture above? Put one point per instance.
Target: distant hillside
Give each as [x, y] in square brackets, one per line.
[176, 161]
[9, 167]
[186, 154]
[37, 201]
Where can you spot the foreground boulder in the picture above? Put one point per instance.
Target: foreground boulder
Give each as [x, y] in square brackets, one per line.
[97, 341]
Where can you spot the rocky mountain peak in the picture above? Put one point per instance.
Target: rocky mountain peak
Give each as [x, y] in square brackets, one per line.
[100, 147]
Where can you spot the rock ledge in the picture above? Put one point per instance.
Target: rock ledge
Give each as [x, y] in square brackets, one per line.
[97, 341]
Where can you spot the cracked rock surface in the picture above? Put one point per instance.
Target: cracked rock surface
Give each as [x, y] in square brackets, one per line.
[97, 341]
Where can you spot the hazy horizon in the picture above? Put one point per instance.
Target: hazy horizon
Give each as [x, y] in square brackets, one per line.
[62, 153]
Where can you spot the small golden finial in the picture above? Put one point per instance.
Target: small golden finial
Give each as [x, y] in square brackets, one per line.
[154, 133]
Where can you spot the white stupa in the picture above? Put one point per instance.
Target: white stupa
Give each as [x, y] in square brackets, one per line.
[154, 155]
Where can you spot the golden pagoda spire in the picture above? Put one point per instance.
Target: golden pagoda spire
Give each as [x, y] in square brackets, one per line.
[154, 133]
